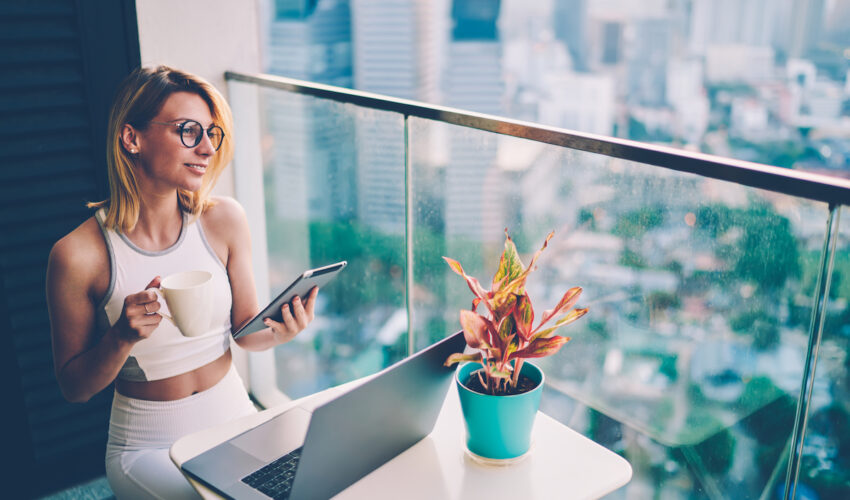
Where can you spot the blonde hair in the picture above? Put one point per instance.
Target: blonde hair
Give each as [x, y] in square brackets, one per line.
[138, 100]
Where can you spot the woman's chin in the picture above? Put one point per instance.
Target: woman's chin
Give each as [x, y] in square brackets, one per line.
[193, 185]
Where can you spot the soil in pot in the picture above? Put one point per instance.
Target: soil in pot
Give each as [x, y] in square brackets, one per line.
[524, 384]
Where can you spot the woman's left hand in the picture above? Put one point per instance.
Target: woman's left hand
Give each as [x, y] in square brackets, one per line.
[296, 317]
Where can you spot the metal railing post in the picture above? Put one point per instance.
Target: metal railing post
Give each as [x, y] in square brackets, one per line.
[815, 332]
[408, 235]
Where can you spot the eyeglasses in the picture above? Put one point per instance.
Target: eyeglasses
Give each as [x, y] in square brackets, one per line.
[191, 133]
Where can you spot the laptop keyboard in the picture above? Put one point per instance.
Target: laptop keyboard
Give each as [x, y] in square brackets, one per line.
[275, 479]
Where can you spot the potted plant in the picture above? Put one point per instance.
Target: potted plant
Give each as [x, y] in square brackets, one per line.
[499, 391]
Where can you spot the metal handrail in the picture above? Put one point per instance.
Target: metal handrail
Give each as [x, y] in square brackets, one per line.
[825, 188]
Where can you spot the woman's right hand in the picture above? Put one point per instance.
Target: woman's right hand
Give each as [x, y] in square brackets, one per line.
[138, 317]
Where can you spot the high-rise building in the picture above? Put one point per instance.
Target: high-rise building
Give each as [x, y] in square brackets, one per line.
[397, 51]
[612, 42]
[569, 19]
[838, 21]
[397, 46]
[687, 96]
[741, 22]
[311, 40]
[807, 27]
[473, 81]
[312, 164]
[647, 62]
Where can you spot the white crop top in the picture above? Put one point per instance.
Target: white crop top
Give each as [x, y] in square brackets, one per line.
[166, 352]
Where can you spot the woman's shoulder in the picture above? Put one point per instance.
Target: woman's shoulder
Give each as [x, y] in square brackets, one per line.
[223, 212]
[226, 227]
[81, 250]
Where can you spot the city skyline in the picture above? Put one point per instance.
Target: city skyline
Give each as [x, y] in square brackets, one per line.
[685, 72]
[699, 288]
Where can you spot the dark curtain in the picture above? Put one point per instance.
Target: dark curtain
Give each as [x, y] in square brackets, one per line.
[60, 63]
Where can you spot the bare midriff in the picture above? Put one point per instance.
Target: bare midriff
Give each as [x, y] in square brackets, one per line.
[178, 386]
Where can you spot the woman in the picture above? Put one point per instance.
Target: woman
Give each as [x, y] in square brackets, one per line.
[169, 139]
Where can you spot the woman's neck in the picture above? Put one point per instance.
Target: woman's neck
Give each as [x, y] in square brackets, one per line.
[159, 224]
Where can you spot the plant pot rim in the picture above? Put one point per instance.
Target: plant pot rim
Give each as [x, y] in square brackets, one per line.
[536, 388]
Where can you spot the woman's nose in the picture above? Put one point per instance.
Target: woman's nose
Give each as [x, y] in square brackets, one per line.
[205, 147]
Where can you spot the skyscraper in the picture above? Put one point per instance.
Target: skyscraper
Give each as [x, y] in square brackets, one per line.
[312, 164]
[569, 19]
[838, 21]
[647, 62]
[742, 22]
[397, 50]
[473, 81]
[807, 27]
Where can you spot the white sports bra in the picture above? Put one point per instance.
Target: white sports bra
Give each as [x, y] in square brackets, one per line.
[166, 352]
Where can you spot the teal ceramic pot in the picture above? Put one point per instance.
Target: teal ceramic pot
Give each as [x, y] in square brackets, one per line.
[499, 427]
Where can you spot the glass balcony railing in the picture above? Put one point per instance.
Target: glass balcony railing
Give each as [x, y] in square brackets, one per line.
[714, 357]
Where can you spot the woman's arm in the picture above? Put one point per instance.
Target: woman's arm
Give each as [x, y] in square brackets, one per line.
[227, 222]
[85, 364]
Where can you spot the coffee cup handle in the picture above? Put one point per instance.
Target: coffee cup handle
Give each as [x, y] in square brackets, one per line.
[161, 296]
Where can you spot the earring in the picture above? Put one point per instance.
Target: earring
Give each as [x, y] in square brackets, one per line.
[134, 151]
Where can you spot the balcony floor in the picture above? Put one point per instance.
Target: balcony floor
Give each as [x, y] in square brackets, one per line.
[95, 489]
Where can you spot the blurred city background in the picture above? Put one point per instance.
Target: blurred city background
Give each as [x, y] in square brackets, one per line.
[701, 291]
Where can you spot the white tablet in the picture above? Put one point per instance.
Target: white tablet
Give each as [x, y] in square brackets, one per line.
[300, 287]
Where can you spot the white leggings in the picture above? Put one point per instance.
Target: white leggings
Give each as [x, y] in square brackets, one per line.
[141, 433]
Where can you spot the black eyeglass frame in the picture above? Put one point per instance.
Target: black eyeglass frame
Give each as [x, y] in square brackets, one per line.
[182, 126]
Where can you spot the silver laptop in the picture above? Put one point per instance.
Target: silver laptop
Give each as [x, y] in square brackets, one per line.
[317, 452]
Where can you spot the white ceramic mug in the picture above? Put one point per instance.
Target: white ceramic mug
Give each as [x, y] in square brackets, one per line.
[189, 298]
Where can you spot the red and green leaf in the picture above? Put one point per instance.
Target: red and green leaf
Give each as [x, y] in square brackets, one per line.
[539, 348]
[511, 346]
[455, 265]
[523, 315]
[494, 372]
[460, 357]
[491, 354]
[506, 331]
[510, 265]
[567, 301]
[566, 320]
[537, 253]
[517, 283]
[503, 305]
[473, 283]
[517, 286]
[497, 286]
[475, 329]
